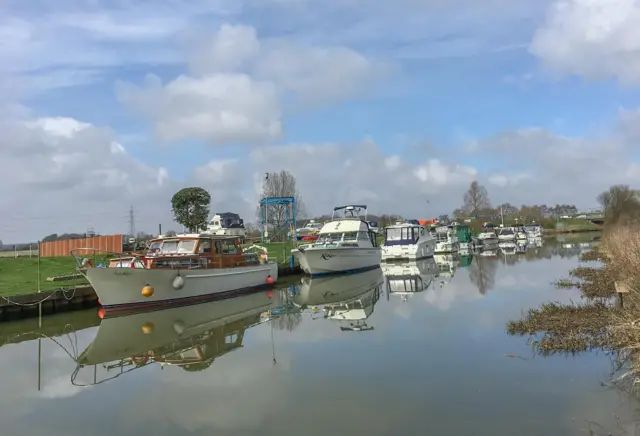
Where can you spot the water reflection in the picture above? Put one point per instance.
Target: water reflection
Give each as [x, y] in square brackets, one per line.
[407, 278]
[347, 299]
[437, 360]
[188, 337]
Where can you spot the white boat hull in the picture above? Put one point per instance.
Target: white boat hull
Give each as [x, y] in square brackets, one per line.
[325, 261]
[336, 289]
[506, 238]
[121, 288]
[423, 249]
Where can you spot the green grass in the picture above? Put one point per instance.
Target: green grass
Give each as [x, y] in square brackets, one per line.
[19, 276]
[19, 253]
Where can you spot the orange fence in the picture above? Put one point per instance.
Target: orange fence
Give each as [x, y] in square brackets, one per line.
[62, 248]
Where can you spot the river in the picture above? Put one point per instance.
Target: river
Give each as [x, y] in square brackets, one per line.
[351, 355]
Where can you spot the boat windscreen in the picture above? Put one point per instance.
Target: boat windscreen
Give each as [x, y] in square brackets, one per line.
[400, 235]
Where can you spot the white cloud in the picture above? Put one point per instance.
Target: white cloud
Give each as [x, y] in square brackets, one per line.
[67, 175]
[593, 38]
[240, 83]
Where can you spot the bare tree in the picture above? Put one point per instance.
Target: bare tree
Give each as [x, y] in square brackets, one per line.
[620, 203]
[476, 199]
[282, 184]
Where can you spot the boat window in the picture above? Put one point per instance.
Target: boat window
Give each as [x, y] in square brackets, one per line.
[225, 247]
[363, 236]
[204, 246]
[187, 246]
[350, 236]
[154, 248]
[329, 238]
[394, 234]
[170, 247]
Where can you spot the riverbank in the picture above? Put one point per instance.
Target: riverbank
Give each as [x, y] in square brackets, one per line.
[608, 280]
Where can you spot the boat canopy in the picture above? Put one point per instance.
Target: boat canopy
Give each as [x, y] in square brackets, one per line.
[402, 235]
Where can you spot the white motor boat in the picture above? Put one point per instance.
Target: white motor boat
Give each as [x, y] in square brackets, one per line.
[404, 241]
[227, 224]
[407, 278]
[446, 240]
[175, 271]
[311, 228]
[533, 231]
[488, 239]
[345, 245]
[506, 234]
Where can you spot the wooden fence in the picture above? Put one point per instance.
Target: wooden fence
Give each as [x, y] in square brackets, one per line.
[111, 243]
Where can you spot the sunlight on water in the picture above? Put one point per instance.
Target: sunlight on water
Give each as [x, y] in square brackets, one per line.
[415, 348]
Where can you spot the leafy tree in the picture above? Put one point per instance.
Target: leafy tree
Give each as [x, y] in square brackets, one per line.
[190, 207]
[476, 199]
[619, 203]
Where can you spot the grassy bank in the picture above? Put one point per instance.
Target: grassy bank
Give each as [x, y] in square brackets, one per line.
[605, 319]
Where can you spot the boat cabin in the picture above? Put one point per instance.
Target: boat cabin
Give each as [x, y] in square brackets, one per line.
[190, 251]
[443, 234]
[347, 231]
[227, 223]
[403, 234]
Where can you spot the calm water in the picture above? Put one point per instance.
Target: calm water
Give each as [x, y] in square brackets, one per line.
[351, 355]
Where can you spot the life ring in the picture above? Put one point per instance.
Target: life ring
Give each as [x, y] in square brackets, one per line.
[140, 360]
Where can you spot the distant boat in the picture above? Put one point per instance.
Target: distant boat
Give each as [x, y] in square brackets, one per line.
[227, 224]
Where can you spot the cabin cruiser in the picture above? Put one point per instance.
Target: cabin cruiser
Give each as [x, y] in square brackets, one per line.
[373, 226]
[348, 298]
[227, 224]
[533, 231]
[311, 228]
[506, 234]
[446, 240]
[487, 239]
[176, 270]
[405, 279]
[345, 244]
[407, 241]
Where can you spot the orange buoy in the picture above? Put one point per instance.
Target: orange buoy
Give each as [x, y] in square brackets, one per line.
[101, 312]
[147, 328]
[270, 280]
[147, 291]
[270, 294]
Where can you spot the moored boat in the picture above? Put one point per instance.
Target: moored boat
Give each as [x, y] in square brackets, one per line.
[446, 240]
[345, 245]
[407, 278]
[407, 241]
[177, 270]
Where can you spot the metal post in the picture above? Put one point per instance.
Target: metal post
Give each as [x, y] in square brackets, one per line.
[39, 362]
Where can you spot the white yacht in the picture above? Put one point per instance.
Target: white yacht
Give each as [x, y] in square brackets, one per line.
[227, 224]
[407, 241]
[345, 244]
[533, 231]
[488, 239]
[312, 227]
[446, 240]
[506, 234]
[407, 278]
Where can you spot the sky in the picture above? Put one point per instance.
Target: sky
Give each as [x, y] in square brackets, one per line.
[399, 105]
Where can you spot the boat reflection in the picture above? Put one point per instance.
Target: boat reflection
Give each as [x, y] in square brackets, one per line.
[407, 278]
[348, 299]
[190, 337]
[447, 264]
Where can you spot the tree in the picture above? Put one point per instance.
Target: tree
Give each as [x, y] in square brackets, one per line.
[508, 210]
[444, 218]
[482, 273]
[282, 184]
[619, 203]
[476, 199]
[190, 208]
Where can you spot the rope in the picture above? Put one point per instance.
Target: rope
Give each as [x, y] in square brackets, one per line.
[65, 294]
